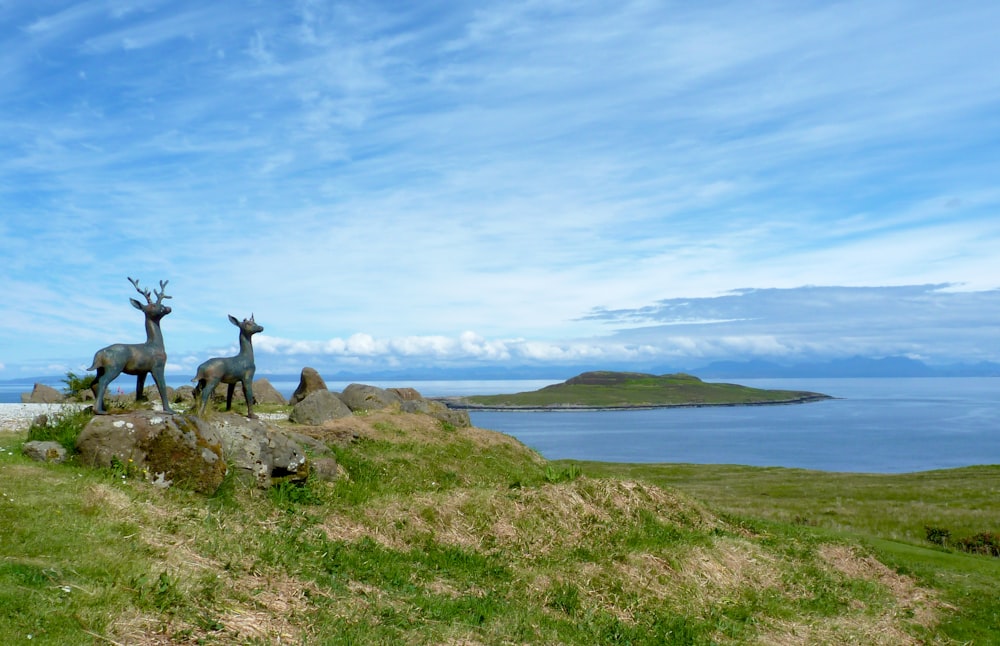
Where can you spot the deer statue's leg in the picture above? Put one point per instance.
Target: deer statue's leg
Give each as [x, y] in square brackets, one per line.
[104, 377]
[140, 387]
[197, 393]
[161, 385]
[248, 395]
[207, 390]
[229, 396]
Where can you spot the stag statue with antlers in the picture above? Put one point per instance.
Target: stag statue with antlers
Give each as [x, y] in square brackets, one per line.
[230, 370]
[137, 359]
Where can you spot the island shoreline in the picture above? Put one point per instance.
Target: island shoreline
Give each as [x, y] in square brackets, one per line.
[459, 403]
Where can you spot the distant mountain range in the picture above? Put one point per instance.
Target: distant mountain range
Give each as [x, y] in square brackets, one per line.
[853, 367]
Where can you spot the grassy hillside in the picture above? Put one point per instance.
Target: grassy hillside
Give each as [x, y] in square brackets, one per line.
[463, 536]
[891, 514]
[632, 389]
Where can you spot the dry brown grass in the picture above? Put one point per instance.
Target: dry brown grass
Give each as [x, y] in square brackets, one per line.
[881, 626]
[533, 522]
[393, 426]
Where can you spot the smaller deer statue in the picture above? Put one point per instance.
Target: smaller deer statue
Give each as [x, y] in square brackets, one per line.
[229, 370]
[137, 359]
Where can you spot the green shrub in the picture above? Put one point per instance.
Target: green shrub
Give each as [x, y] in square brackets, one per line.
[987, 543]
[62, 427]
[553, 475]
[75, 384]
[937, 535]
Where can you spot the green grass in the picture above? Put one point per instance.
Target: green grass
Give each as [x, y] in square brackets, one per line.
[465, 536]
[893, 506]
[615, 390]
[889, 513]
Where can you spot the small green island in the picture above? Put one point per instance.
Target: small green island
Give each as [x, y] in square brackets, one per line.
[600, 390]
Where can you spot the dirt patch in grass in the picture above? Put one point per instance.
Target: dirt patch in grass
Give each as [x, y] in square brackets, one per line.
[863, 624]
[918, 603]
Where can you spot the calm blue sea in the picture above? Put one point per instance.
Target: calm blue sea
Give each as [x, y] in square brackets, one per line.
[875, 425]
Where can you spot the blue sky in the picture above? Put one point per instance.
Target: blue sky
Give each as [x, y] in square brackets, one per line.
[501, 183]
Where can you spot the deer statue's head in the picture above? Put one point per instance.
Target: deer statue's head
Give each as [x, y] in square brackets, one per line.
[248, 326]
[154, 310]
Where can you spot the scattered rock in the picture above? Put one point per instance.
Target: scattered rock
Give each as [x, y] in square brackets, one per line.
[325, 468]
[179, 448]
[42, 394]
[457, 418]
[318, 407]
[361, 397]
[416, 406]
[44, 451]
[152, 394]
[265, 393]
[259, 452]
[309, 382]
[406, 394]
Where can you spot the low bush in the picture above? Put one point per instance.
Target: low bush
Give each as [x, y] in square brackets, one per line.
[76, 384]
[937, 535]
[62, 427]
[987, 543]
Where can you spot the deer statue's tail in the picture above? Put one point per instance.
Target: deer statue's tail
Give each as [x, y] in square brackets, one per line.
[98, 361]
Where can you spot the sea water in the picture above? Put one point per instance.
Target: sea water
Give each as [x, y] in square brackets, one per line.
[877, 425]
[874, 425]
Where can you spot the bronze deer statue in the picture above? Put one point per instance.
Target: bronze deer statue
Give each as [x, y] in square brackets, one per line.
[137, 359]
[229, 370]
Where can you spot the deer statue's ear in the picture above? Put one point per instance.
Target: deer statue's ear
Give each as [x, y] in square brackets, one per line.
[136, 304]
[232, 319]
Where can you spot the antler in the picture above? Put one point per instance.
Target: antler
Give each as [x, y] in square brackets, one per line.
[144, 292]
[160, 295]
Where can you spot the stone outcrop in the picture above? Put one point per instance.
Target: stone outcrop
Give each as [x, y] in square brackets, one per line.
[318, 407]
[44, 451]
[406, 394]
[309, 382]
[260, 453]
[457, 418]
[181, 449]
[361, 397]
[183, 395]
[42, 394]
[263, 393]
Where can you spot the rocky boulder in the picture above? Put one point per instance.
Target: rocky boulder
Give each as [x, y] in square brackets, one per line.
[309, 382]
[361, 397]
[260, 453]
[457, 418]
[42, 394]
[407, 394]
[263, 393]
[181, 449]
[318, 407]
[44, 451]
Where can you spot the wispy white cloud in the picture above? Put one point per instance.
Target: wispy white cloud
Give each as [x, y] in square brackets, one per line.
[401, 175]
